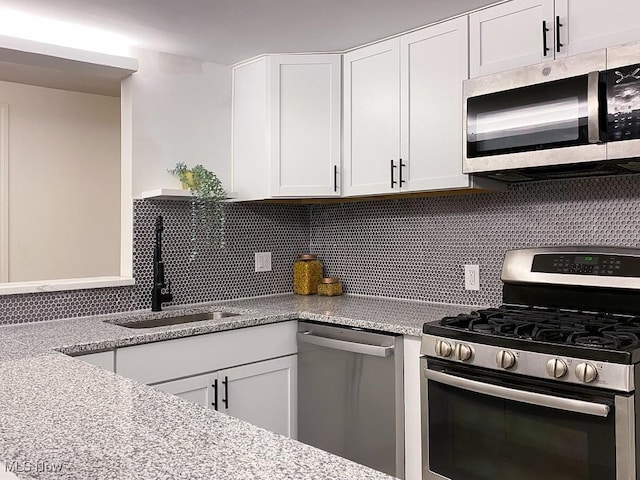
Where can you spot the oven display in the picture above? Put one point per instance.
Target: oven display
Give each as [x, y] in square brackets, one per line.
[587, 264]
[586, 260]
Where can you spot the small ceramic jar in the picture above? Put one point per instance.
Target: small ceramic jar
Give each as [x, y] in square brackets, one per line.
[330, 287]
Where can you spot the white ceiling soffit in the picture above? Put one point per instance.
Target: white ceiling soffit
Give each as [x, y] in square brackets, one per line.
[229, 31]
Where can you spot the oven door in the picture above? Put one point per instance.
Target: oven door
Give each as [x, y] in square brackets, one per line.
[483, 425]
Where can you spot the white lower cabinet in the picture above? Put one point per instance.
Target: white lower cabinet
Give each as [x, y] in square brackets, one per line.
[198, 389]
[104, 360]
[249, 373]
[261, 393]
[412, 409]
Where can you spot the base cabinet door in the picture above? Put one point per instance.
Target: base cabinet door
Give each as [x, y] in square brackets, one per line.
[262, 393]
[199, 389]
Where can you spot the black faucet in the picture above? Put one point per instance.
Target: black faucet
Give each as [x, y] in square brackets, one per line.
[157, 297]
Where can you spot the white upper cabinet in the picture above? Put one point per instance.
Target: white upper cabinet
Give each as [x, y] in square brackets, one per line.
[305, 125]
[403, 112]
[286, 127]
[511, 35]
[434, 63]
[589, 24]
[525, 32]
[372, 119]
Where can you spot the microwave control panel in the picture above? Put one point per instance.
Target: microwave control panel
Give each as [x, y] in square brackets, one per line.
[623, 103]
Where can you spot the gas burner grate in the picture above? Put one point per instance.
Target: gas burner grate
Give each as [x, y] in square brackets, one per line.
[598, 330]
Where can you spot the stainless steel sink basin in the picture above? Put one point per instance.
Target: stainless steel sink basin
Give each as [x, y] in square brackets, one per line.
[163, 322]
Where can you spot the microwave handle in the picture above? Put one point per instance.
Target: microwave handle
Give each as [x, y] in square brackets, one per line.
[523, 396]
[593, 123]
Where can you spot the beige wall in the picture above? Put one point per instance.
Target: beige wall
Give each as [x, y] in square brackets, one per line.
[64, 183]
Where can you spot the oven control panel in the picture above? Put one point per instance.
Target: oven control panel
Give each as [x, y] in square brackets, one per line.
[587, 264]
[611, 376]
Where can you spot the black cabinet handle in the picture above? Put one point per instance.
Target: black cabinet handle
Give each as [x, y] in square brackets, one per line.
[402, 164]
[558, 25]
[215, 394]
[545, 49]
[393, 181]
[335, 178]
[225, 399]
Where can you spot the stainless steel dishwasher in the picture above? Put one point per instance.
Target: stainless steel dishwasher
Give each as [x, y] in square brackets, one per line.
[350, 394]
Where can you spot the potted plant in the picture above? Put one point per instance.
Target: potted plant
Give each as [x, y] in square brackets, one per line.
[207, 197]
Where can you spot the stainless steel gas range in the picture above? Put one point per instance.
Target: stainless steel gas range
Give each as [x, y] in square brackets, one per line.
[542, 387]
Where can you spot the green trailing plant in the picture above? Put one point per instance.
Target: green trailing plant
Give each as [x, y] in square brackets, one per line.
[207, 208]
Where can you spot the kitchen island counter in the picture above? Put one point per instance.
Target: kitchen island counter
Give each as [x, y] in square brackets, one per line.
[64, 418]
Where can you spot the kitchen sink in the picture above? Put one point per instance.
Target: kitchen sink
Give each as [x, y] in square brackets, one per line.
[163, 322]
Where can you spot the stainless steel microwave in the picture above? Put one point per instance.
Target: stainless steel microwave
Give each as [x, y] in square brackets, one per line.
[579, 116]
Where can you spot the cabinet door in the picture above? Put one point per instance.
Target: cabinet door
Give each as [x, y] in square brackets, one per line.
[589, 25]
[305, 125]
[263, 393]
[103, 360]
[510, 35]
[433, 67]
[198, 389]
[371, 118]
[250, 123]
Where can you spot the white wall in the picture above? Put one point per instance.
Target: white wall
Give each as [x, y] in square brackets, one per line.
[180, 111]
[64, 183]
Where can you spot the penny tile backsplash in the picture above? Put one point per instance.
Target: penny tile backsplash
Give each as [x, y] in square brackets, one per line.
[214, 274]
[416, 248]
[405, 248]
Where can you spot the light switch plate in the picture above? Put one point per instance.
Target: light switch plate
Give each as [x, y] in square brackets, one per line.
[472, 277]
[263, 261]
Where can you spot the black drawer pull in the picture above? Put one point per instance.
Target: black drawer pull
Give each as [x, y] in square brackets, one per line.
[558, 25]
[215, 394]
[393, 181]
[225, 399]
[545, 49]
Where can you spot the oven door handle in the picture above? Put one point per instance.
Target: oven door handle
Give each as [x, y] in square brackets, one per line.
[540, 399]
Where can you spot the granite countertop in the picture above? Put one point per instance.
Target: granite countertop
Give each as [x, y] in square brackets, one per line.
[64, 418]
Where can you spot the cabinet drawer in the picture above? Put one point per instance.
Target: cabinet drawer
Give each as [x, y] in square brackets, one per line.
[182, 357]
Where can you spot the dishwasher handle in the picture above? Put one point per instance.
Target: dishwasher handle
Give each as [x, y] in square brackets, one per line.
[353, 347]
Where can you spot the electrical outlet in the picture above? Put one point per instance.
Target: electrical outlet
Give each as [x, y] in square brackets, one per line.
[472, 277]
[263, 262]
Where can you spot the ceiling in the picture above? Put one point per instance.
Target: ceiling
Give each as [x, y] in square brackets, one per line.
[228, 31]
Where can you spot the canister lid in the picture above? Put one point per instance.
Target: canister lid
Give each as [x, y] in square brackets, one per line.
[330, 280]
[307, 256]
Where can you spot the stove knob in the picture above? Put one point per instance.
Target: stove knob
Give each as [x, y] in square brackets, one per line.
[443, 349]
[505, 359]
[462, 352]
[586, 372]
[556, 368]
